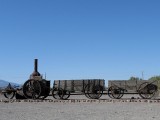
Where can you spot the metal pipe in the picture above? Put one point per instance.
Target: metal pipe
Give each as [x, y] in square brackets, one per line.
[36, 65]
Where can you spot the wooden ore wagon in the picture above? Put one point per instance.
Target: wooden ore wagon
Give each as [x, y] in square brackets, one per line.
[91, 88]
[145, 88]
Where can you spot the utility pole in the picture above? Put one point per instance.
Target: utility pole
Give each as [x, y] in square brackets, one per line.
[142, 75]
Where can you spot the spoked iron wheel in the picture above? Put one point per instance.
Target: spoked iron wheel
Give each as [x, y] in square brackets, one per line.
[9, 94]
[94, 91]
[57, 93]
[110, 92]
[66, 94]
[32, 89]
[115, 92]
[147, 90]
[86, 91]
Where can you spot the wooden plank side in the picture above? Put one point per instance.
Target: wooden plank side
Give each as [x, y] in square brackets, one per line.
[77, 85]
[131, 85]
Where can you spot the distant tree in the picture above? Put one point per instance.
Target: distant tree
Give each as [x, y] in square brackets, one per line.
[134, 78]
[157, 78]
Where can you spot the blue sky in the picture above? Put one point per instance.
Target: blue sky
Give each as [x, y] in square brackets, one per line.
[76, 39]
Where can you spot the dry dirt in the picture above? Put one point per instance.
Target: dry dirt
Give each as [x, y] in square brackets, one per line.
[79, 111]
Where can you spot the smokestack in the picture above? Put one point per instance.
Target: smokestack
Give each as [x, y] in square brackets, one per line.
[35, 72]
[36, 65]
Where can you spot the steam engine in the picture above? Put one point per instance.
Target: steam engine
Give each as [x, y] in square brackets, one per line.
[36, 87]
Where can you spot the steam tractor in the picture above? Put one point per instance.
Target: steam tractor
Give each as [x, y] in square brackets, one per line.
[36, 87]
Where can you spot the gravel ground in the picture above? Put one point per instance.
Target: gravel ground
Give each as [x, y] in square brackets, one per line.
[79, 111]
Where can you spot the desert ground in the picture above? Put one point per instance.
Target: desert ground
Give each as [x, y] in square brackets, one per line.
[67, 110]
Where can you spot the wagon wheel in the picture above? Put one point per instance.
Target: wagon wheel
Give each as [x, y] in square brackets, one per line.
[57, 93]
[97, 91]
[9, 94]
[94, 91]
[115, 92]
[121, 93]
[32, 89]
[143, 90]
[147, 90]
[66, 94]
[109, 92]
[86, 89]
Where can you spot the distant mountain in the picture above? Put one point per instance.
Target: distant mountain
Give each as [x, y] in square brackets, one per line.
[4, 84]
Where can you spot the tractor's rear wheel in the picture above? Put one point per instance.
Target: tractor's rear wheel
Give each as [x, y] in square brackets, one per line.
[32, 89]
